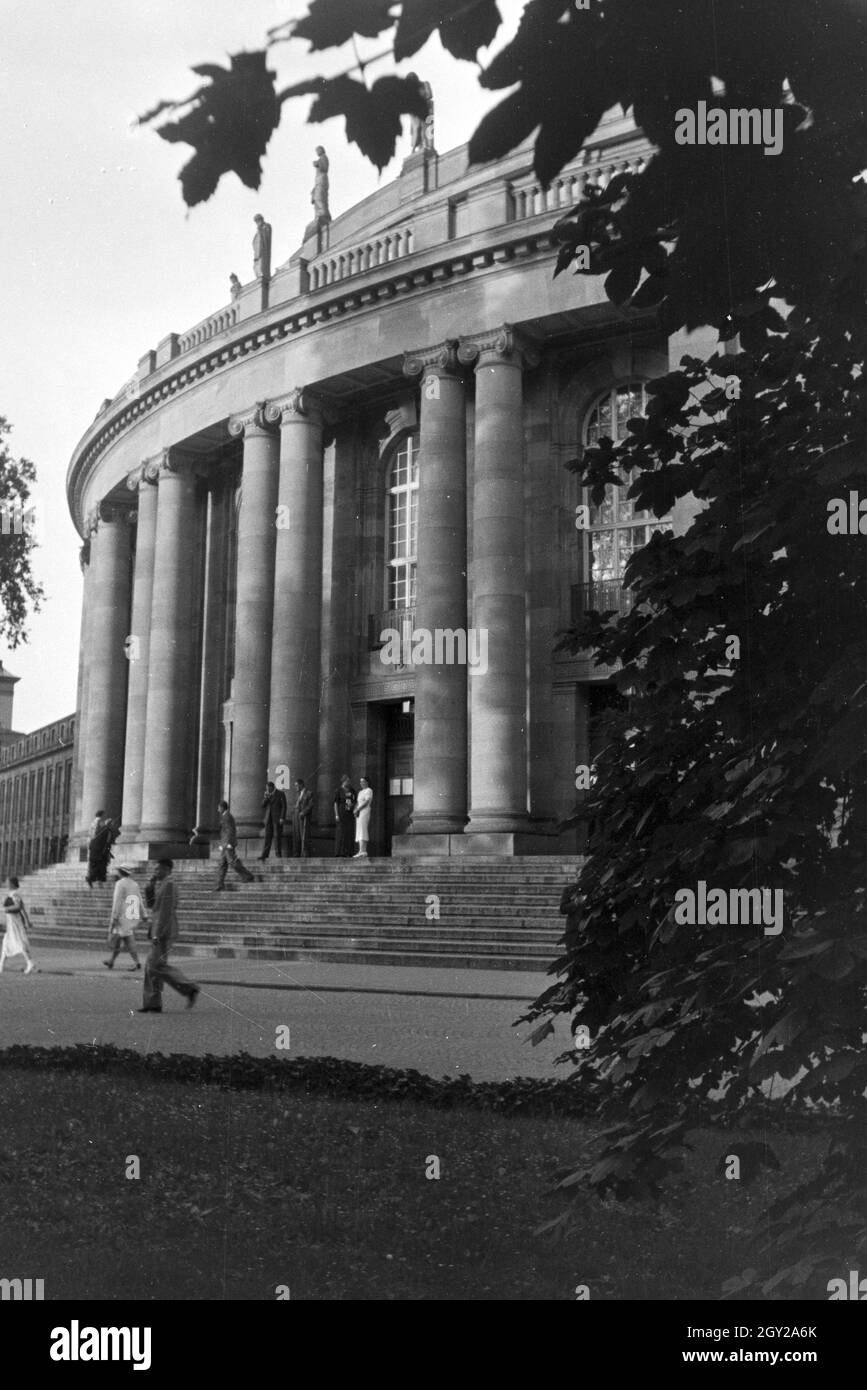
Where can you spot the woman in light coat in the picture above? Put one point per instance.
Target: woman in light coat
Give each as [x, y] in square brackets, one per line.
[15, 941]
[362, 818]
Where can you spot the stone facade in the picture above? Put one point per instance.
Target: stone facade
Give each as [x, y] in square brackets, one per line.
[35, 789]
[374, 446]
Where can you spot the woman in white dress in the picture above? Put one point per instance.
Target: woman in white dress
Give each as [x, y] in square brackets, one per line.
[362, 818]
[15, 942]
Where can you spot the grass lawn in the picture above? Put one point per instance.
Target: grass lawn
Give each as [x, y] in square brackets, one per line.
[242, 1192]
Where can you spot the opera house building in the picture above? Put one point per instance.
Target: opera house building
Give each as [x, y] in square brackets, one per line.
[329, 529]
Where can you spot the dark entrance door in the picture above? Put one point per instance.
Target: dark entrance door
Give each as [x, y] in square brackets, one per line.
[399, 736]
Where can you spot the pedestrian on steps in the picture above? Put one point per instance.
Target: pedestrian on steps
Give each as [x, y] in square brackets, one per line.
[274, 806]
[362, 818]
[228, 856]
[15, 939]
[99, 849]
[301, 819]
[126, 909]
[344, 818]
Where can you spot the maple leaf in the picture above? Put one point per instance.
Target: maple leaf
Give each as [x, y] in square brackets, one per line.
[229, 125]
[372, 114]
[464, 26]
[330, 23]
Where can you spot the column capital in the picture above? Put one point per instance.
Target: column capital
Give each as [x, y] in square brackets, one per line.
[299, 405]
[106, 512]
[147, 472]
[441, 358]
[498, 345]
[249, 422]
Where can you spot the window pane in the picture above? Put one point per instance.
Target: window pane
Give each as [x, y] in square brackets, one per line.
[604, 555]
[603, 515]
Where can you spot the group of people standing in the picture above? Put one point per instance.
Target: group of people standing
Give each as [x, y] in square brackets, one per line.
[282, 827]
[277, 816]
[352, 818]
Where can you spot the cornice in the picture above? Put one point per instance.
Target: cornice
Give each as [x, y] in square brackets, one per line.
[271, 328]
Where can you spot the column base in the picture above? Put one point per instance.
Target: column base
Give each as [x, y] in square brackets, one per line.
[506, 844]
[437, 824]
[144, 848]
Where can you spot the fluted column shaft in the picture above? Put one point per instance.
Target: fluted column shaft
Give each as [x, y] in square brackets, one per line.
[166, 815]
[108, 603]
[143, 481]
[209, 788]
[295, 643]
[78, 824]
[440, 759]
[254, 612]
[498, 697]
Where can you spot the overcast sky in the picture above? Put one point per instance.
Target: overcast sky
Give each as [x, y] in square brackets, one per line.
[100, 259]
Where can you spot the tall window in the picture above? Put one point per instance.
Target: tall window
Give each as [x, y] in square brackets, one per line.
[617, 527]
[403, 525]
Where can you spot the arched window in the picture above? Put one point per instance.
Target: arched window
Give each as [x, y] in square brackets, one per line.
[617, 527]
[403, 524]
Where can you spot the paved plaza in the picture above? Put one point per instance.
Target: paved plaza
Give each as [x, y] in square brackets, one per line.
[441, 1022]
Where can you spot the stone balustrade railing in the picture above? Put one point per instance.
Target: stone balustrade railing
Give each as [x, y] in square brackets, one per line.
[358, 265]
[332, 266]
[208, 328]
[531, 200]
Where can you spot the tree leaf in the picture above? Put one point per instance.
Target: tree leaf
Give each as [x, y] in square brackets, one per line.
[330, 23]
[373, 116]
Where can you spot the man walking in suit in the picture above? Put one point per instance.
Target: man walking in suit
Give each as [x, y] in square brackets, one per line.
[301, 817]
[164, 930]
[228, 840]
[274, 803]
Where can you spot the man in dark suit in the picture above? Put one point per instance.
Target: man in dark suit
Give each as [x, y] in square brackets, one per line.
[301, 817]
[164, 931]
[344, 808]
[228, 856]
[274, 804]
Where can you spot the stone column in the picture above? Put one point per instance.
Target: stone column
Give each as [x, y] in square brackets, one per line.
[339, 632]
[213, 680]
[254, 611]
[440, 755]
[295, 644]
[499, 694]
[141, 481]
[166, 816]
[77, 823]
[108, 615]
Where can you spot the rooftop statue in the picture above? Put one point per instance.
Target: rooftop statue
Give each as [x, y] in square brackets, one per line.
[319, 196]
[262, 248]
[421, 129]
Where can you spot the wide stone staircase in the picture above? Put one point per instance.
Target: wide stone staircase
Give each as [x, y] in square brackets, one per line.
[493, 914]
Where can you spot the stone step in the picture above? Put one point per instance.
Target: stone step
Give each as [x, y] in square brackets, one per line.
[493, 914]
[530, 939]
[350, 955]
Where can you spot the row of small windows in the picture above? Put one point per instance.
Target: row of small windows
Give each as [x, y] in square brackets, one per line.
[617, 526]
[22, 855]
[41, 794]
[60, 735]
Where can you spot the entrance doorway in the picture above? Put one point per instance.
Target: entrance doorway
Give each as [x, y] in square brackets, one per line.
[399, 744]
